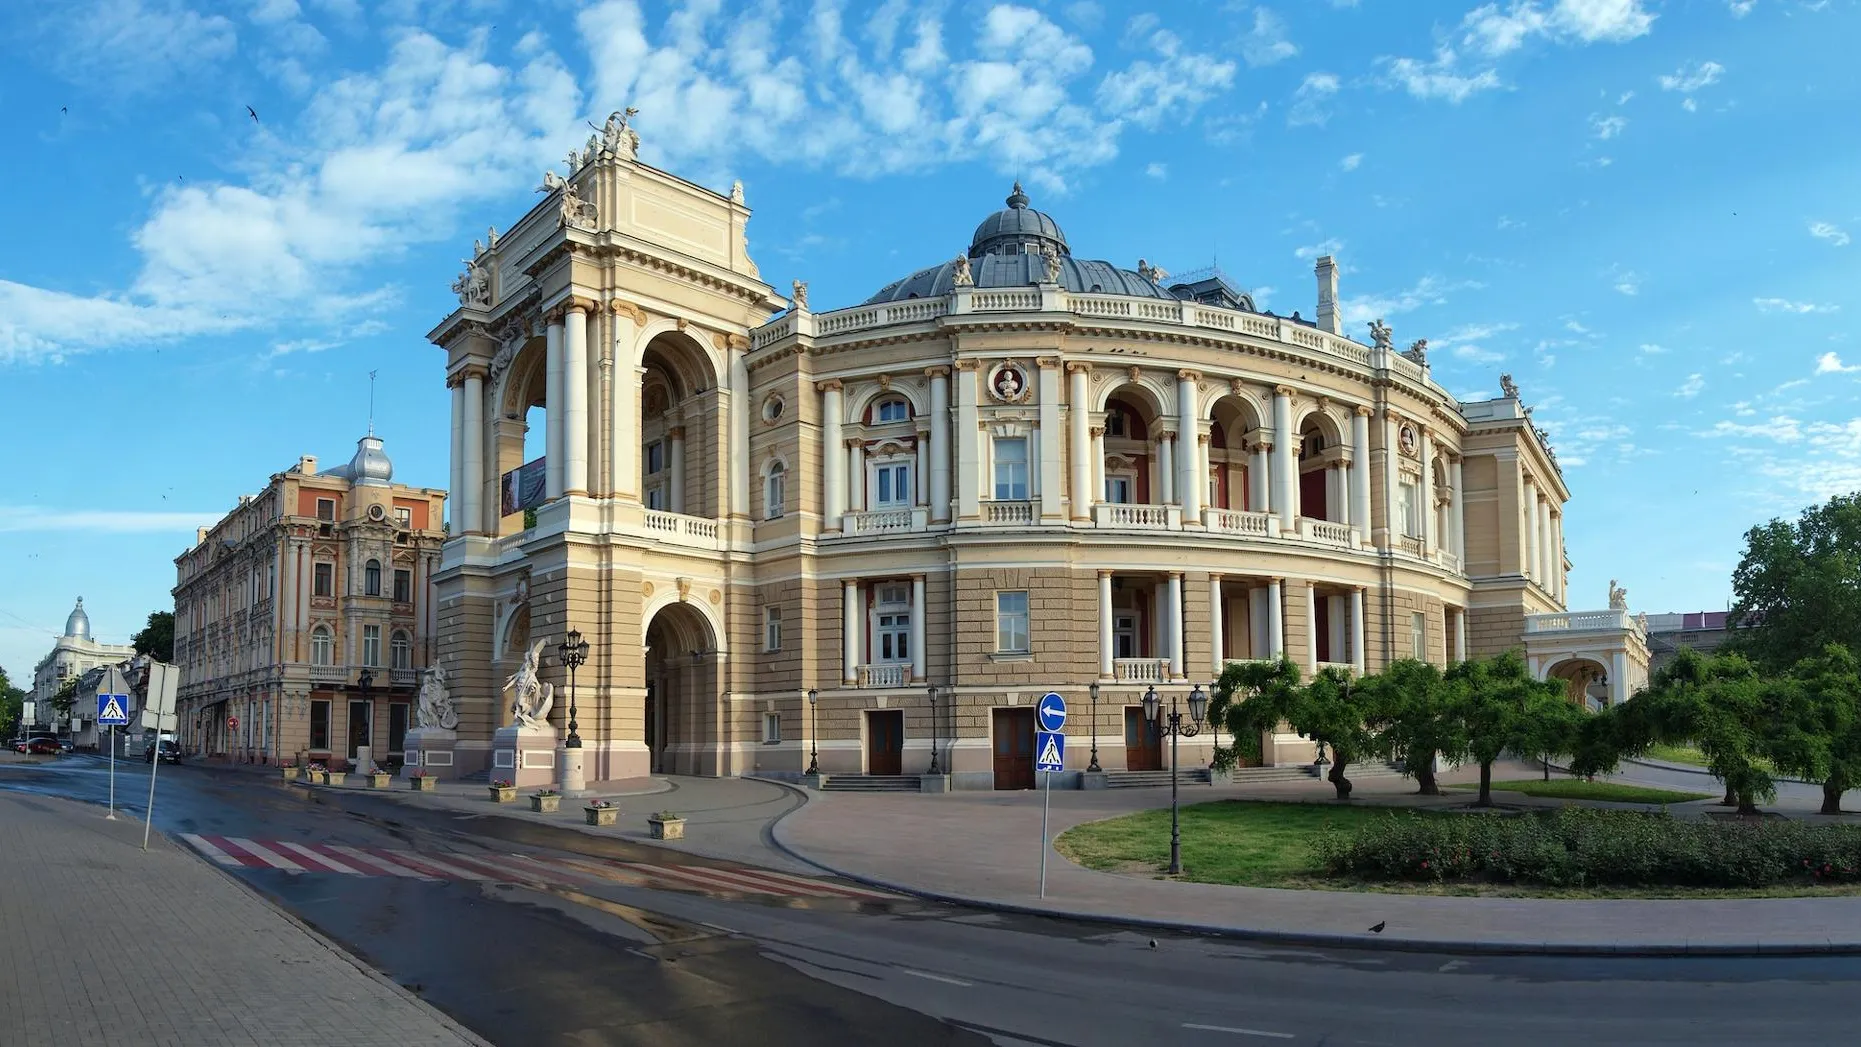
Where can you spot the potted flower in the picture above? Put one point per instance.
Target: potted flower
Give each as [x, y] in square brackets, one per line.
[503, 790]
[337, 777]
[421, 782]
[545, 801]
[667, 826]
[601, 812]
[290, 771]
[378, 778]
[317, 773]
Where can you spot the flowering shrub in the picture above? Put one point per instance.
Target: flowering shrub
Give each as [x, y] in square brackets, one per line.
[601, 805]
[317, 768]
[544, 792]
[501, 783]
[1574, 847]
[665, 816]
[416, 773]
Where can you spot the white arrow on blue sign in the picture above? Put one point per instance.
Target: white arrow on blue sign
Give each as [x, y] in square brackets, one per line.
[112, 710]
[1051, 712]
[1049, 751]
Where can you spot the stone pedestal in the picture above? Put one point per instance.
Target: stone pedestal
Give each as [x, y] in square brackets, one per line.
[1093, 780]
[364, 759]
[526, 756]
[430, 749]
[933, 783]
[574, 774]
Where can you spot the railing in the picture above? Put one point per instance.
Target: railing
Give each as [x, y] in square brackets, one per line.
[1141, 517]
[1451, 561]
[773, 331]
[1411, 545]
[1140, 670]
[1573, 621]
[915, 310]
[1349, 667]
[402, 677]
[1325, 531]
[1008, 512]
[891, 675]
[882, 521]
[329, 674]
[1004, 301]
[1246, 661]
[1236, 521]
[680, 529]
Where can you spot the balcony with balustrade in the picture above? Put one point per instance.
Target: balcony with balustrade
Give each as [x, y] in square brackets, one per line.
[1125, 516]
[885, 521]
[1140, 670]
[884, 674]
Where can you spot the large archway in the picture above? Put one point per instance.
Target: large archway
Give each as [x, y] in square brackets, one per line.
[1584, 680]
[683, 718]
[679, 428]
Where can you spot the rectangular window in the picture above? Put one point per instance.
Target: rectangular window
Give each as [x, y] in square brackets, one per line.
[772, 629]
[326, 509]
[655, 457]
[1124, 636]
[775, 492]
[1418, 637]
[323, 580]
[1011, 624]
[892, 485]
[894, 636]
[1118, 490]
[1409, 508]
[1011, 469]
[403, 517]
[771, 728]
[371, 646]
[403, 586]
[656, 499]
[320, 725]
[893, 411]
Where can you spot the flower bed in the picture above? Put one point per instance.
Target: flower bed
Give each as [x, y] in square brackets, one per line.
[1576, 847]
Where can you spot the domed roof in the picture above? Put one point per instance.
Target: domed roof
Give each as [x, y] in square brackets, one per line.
[1016, 228]
[78, 625]
[370, 466]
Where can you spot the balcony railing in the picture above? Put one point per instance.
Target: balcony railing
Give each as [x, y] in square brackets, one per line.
[884, 521]
[1138, 517]
[1325, 531]
[1010, 512]
[1236, 521]
[1579, 621]
[329, 674]
[1411, 545]
[888, 675]
[1140, 670]
[679, 529]
[403, 677]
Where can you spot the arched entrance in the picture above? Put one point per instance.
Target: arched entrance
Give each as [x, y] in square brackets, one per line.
[1584, 680]
[682, 712]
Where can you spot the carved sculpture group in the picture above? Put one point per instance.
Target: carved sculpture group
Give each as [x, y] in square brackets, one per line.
[531, 698]
[435, 707]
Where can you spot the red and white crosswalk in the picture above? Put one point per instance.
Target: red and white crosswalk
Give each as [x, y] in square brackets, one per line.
[485, 867]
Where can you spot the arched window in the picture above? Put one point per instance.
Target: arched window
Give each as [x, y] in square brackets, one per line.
[774, 490]
[892, 410]
[321, 648]
[371, 578]
[401, 651]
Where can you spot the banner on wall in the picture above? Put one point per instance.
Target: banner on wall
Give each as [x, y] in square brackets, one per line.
[523, 487]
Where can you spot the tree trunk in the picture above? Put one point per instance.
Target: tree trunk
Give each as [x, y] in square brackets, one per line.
[1832, 796]
[1336, 777]
[1748, 805]
[1546, 761]
[1486, 784]
[1731, 797]
[1425, 778]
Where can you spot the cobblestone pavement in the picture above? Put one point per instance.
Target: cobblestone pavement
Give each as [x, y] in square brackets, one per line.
[102, 943]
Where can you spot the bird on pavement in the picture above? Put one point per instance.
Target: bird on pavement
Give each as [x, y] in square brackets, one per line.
[1378, 929]
[253, 113]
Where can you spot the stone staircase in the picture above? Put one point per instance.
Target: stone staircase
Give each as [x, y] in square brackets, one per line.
[1152, 779]
[870, 783]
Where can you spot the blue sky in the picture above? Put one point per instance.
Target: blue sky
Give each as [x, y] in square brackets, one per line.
[1645, 211]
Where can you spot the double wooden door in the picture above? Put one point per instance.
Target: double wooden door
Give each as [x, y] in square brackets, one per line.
[1143, 742]
[1014, 748]
[885, 741]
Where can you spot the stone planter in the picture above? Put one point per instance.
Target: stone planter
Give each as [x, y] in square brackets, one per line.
[290, 773]
[667, 828]
[601, 815]
[546, 804]
[424, 783]
[507, 794]
[316, 777]
[338, 777]
[380, 781]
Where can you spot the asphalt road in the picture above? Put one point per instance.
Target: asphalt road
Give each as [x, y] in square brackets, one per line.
[659, 957]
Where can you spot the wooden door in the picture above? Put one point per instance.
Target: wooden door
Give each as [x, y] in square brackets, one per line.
[1312, 495]
[1014, 748]
[885, 742]
[1143, 742]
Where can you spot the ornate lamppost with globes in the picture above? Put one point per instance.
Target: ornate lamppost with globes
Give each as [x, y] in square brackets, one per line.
[573, 650]
[1093, 767]
[1176, 727]
[814, 732]
[932, 691]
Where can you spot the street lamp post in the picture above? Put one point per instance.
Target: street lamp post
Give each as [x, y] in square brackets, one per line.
[1093, 767]
[1176, 727]
[814, 732]
[574, 652]
[933, 704]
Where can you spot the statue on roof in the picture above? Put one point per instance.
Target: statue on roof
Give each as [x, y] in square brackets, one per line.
[1379, 334]
[619, 139]
[1051, 255]
[1418, 351]
[473, 285]
[736, 191]
[962, 276]
[1507, 386]
[1156, 274]
[1618, 597]
[551, 182]
[576, 212]
[801, 294]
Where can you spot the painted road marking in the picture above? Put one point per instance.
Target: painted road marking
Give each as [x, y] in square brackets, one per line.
[1239, 1031]
[317, 859]
[264, 854]
[363, 858]
[935, 977]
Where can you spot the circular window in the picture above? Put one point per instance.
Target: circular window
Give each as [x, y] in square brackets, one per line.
[377, 513]
[772, 408]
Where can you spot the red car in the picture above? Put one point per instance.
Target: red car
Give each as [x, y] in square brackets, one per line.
[44, 747]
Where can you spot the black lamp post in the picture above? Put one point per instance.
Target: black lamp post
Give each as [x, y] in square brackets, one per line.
[933, 704]
[814, 732]
[1176, 727]
[1094, 767]
[574, 652]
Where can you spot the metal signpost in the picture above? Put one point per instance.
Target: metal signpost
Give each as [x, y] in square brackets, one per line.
[112, 712]
[1049, 758]
[158, 713]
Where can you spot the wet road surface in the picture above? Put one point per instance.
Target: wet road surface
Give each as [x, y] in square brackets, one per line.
[531, 935]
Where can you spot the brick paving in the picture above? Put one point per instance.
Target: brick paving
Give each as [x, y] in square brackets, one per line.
[101, 943]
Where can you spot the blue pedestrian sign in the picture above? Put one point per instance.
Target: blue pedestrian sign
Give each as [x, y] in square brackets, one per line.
[1049, 751]
[112, 710]
[1051, 713]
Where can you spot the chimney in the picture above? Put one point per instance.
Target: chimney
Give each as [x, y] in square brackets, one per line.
[1328, 319]
[200, 535]
[307, 464]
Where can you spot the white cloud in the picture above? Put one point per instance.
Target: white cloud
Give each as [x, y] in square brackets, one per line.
[1266, 42]
[1689, 105]
[1686, 81]
[1830, 363]
[1494, 30]
[1741, 8]
[1157, 171]
[1429, 290]
[1784, 305]
[1691, 387]
[1830, 232]
[1627, 282]
[1147, 90]
[1310, 100]
[1607, 127]
[1332, 246]
[1651, 349]
[15, 519]
[1351, 162]
[137, 46]
[1508, 222]
[1439, 78]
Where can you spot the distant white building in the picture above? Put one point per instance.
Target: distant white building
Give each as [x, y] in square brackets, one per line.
[74, 654]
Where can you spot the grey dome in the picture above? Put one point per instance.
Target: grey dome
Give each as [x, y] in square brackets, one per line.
[78, 625]
[370, 466]
[1016, 228]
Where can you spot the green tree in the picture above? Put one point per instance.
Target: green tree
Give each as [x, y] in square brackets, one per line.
[1721, 704]
[1797, 587]
[12, 704]
[1502, 707]
[1815, 729]
[157, 637]
[1257, 697]
[66, 696]
[1413, 719]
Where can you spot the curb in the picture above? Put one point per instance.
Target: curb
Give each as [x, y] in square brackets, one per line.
[1369, 943]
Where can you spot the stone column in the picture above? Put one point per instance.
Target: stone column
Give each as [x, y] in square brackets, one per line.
[1360, 473]
[1618, 677]
[1173, 633]
[1357, 652]
[1544, 541]
[1529, 568]
[1106, 645]
[739, 433]
[675, 465]
[1098, 462]
[833, 459]
[849, 632]
[575, 400]
[474, 451]
[1049, 439]
[1079, 423]
[1557, 555]
[1430, 517]
[968, 456]
[1460, 634]
[1258, 474]
[1217, 645]
[1458, 517]
[1276, 618]
[554, 410]
[1285, 465]
[1311, 628]
[856, 474]
[939, 443]
[1188, 423]
[453, 508]
[920, 477]
[1166, 468]
[917, 629]
[625, 454]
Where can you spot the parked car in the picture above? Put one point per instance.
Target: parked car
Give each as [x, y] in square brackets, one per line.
[170, 752]
[44, 747]
[18, 745]
[64, 745]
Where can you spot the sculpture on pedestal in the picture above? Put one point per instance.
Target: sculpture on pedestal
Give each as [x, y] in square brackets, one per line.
[962, 276]
[436, 708]
[1379, 334]
[1618, 597]
[531, 697]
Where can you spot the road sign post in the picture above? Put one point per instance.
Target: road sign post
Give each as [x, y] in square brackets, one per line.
[1049, 759]
[112, 712]
[164, 679]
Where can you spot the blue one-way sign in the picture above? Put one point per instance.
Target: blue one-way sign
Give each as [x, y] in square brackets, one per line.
[1049, 751]
[112, 710]
[1051, 712]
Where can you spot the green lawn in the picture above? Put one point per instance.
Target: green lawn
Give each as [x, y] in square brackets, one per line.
[1578, 789]
[1229, 841]
[1688, 755]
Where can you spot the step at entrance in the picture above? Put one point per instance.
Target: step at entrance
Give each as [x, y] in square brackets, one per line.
[870, 783]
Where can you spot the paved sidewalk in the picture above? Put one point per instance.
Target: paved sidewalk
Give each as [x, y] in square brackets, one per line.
[983, 848]
[101, 943]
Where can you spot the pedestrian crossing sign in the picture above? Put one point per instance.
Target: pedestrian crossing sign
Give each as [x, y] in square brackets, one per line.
[112, 710]
[1050, 751]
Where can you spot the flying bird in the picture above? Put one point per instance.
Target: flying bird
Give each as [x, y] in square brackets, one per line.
[253, 113]
[1378, 929]
[62, 110]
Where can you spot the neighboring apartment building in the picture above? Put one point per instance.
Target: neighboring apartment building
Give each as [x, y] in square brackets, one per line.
[75, 654]
[303, 618]
[1703, 631]
[1012, 472]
